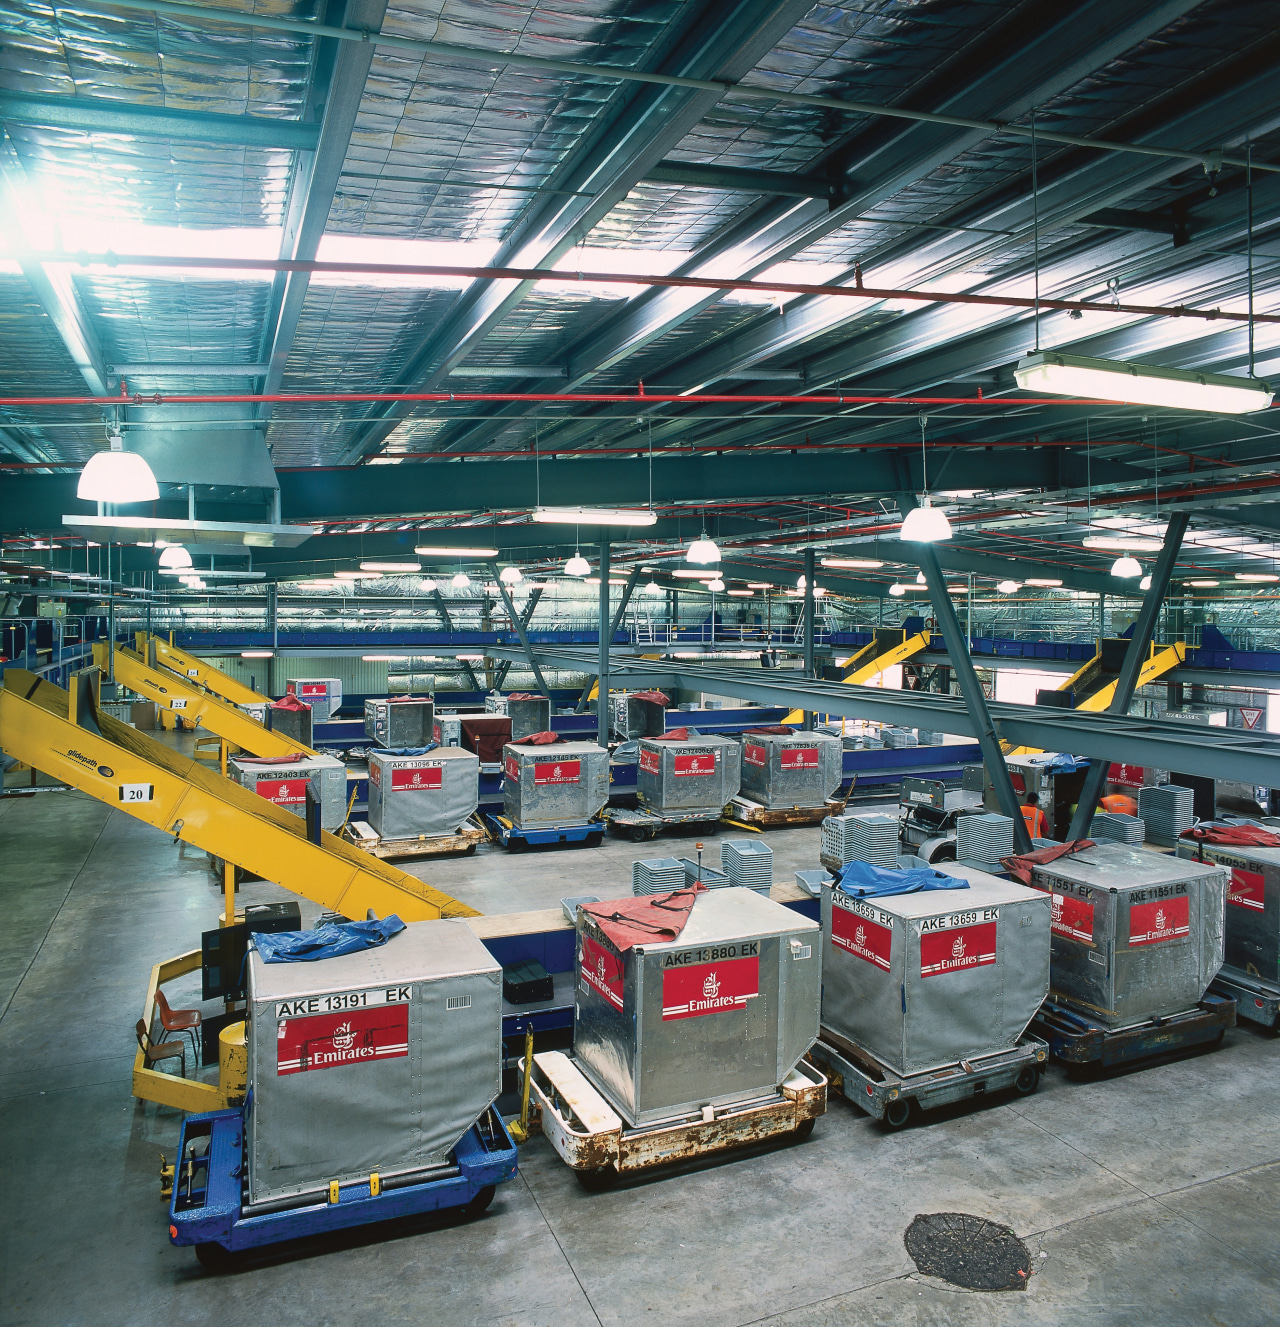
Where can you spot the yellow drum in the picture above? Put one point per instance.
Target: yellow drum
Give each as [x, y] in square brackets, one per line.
[233, 1063]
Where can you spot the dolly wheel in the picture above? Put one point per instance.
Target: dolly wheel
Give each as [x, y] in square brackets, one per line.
[639, 834]
[517, 845]
[802, 1130]
[480, 1203]
[594, 840]
[213, 1257]
[1028, 1080]
[898, 1113]
[471, 850]
[598, 1180]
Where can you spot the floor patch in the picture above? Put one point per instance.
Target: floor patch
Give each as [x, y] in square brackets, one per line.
[968, 1251]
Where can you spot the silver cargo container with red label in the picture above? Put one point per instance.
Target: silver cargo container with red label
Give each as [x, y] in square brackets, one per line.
[926, 980]
[285, 784]
[797, 769]
[720, 1014]
[377, 1061]
[1136, 934]
[323, 694]
[1251, 941]
[562, 783]
[400, 721]
[688, 774]
[429, 794]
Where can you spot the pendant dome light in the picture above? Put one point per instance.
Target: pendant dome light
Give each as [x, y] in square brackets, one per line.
[702, 551]
[117, 476]
[511, 575]
[175, 557]
[897, 590]
[653, 588]
[1126, 568]
[461, 581]
[1008, 587]
[920, 580]
[427, 586]
[577, 566]
[925, 524]
[716, 585]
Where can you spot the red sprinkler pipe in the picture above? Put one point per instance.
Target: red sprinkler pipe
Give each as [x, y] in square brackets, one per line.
[856, 291]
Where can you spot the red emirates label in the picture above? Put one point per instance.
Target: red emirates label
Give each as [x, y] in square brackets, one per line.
[1154, 923]
[1127, 776]
[325, 1041]
[709, 988]
[404, 779]
[862, 938]
[1072, 917]
[1246, 890]
[696, 762]
[650, 760]
[964, 947]
[314, 689]
[799, 757]
[602, 970]
[513, 768]
[283, 792]
[557, 771]
[752, 754]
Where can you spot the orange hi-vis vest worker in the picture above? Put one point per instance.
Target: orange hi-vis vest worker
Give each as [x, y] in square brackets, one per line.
[1120, 805]
[1037, 825]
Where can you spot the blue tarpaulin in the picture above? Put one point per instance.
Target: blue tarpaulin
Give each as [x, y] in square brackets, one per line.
[407, 750]
[327, 941]
[862, 880]
[1065, 764]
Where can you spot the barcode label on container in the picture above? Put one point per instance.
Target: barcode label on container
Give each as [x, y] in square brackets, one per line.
[457, 1002]
[801, 951]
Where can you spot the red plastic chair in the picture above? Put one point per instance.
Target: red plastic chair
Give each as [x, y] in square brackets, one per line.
[179, 1020]
[153, 1053]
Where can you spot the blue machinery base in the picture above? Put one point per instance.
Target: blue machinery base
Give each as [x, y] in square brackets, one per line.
[207, 1206]
[1076, 1039]
[1256, 1000]
[518, 837]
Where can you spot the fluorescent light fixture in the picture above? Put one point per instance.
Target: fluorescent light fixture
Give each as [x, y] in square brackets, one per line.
[358, 575]
[427, 586]
[687, 574]
[470, 658]
[593, 516]
[1126, 568]
[175, 556]
[1203, 585]
[383, 658]
[1145, 583]
[577, 566]
[1257, 577]
[434, 551]
[1131, 543]
[897, 590]
[957, 589]
[1140, 384]
[389, 566]
[861, 564]
[257, 654]
[1043, 583]
[117, 476]
[461, 581]
[511, 575]
[716, 585]
[741, 594]
[759, 585]
[595, 580]
[925, 524]
[1008, 587]
[702, 551]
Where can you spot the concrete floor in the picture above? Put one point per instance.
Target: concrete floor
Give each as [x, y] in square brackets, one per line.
[1152, 1197]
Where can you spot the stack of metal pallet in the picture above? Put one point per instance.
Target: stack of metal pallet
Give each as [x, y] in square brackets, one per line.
[748, 864]
[1167, 811]
[899, 737]
[657, 875]
[929, 737]
[1109, 827]
[984, 840]
[861, 838]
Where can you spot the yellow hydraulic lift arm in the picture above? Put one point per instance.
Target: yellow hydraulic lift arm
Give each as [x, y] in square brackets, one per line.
[197, 670]
[175, 693]
[127, 769]
[860, 668]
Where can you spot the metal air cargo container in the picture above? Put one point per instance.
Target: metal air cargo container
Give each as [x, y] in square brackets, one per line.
[1136, 934]
[422, 794]
[377, 1061]
[528, 714]
[638, 714]
[560, 784]
[323, 694]
[687, 774]
[720, 1014]
[285, 784]
[400, 721]
[795, 769]
[447, 730]
[925, 980]
[289, 722]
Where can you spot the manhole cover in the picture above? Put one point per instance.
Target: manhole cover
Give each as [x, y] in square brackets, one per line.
[968, 1251]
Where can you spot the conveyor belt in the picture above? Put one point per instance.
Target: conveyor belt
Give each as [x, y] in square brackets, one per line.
[884, 650]
[188, 667]
[127, 769]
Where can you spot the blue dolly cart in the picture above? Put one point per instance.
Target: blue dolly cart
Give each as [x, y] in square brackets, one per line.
[207, 1206]
[517, 838]
[1081, 1042]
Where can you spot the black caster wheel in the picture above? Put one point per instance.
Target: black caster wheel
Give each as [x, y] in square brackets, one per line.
[1028, 1080]
[898, 1114]
[639, 834]
[594, 840]
[518, 845]
[597, 1181]
[480, 1203]
[802, 1130]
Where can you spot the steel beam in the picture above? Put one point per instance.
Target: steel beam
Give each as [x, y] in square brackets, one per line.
[1134, 657]
[809, 669]
[606, 640]
[738, 179]
[525, 618]
[518, 623]
[443, 610]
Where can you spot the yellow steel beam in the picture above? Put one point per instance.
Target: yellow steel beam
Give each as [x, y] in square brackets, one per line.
[1161, 660]
[185, 699]
[149, 1084]
[874, 666]
[199, 671]
[127, 769]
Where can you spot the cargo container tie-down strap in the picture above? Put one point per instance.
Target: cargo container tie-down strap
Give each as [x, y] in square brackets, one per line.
[658, 918]
[1239, 836]
[327, 941]
[1020, 867]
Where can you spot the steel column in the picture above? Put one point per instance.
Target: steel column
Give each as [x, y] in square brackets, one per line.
[520, 631]
[606, 634]
[526, 617]
[809, 562]
[1134, 657]
[448, 626]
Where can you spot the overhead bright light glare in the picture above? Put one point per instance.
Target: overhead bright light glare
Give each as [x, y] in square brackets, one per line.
[801, 582]
[1126, 568]
[593, 516]
[741, 594]
[1140, 384]
[1257, 577]
[702, 551]
[383, 658]
[687, 574]
[819, 591]
[1122, 543]
[1043, 584]
[897, 590]
[175, 556]
[426, 586]
[257, 654]
[511, 575]
[1008, 587]
[358, 575]
[117, 476]
[433, 551]
[653, 588]
[862, 564]
[920, 580]
[461, 581]
[925, 524]
[577, 566]
[1203, 585]
[957, 589]
[716, 585]
[595, 580]
[390, 566]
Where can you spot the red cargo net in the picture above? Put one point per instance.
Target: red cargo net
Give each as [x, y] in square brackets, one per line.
[1020, 867]
[1239, 836]
[657, 919]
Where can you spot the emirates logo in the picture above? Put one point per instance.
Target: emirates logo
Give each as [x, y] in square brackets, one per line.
[1057, 907]
[957, 949]
[860, 936]
[1160, 921]
[600, 967]
[344, 1038]
[711, 987]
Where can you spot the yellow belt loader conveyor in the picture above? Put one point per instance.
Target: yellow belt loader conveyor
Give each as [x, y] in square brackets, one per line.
[196, 670]
[174, 693]
[886, 648]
